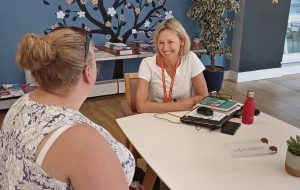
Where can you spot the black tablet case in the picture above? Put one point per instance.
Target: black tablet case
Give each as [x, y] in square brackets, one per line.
[211, 124]
[207, 123]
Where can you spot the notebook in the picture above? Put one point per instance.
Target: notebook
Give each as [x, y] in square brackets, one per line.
[219, 104]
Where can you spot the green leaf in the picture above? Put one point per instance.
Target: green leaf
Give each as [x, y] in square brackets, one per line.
[294, 144]
[293, 141]
[213, 20]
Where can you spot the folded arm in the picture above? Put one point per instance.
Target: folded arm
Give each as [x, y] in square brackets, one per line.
[144, 105]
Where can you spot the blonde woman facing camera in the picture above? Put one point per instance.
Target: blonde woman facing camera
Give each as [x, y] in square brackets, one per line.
[167, 80]
[45, 142]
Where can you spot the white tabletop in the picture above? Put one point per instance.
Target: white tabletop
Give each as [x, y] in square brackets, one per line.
[185, 158]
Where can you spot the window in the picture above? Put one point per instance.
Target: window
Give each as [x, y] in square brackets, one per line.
[292, 39]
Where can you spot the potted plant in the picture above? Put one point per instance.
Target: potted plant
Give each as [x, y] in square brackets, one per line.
[292, 161]
[213, 18]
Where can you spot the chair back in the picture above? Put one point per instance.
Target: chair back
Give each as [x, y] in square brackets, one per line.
[130, 89]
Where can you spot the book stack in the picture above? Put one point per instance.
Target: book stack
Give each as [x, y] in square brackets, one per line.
[4, 93]
[213, 122]
[101, 53]
[142, 47]
[223, 110]
[14, 90]
[28, 87]
[119, 48]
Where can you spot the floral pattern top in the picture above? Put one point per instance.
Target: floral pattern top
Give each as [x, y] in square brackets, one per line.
[24, 127]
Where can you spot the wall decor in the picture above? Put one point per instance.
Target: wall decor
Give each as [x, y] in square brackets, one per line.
[117, 20]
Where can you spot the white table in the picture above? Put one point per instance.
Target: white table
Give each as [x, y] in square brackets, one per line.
[185, 158]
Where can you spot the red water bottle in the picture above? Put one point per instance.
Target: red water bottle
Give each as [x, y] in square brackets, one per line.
[248, 109]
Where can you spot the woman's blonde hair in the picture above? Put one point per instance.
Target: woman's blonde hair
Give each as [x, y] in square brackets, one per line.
[55, 60]
[174, 26]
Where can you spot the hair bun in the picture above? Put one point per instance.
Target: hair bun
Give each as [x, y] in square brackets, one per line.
[34, 52]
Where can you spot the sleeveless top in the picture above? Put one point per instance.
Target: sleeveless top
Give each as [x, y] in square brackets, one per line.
[24, 127]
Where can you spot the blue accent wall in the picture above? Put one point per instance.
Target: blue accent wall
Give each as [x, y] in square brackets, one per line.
[20, 17]
[17, 18]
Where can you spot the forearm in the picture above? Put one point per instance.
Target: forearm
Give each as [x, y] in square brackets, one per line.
[158, 107]
[198, 98]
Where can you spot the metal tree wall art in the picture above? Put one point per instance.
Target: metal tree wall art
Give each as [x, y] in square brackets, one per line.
[117, 20]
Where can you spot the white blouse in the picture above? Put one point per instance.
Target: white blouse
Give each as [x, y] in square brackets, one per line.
[24, 127]
[190, 67]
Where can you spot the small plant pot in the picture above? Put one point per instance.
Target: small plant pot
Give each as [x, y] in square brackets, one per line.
[292, 164]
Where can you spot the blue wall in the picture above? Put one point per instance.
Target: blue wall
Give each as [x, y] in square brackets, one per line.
[20, 17]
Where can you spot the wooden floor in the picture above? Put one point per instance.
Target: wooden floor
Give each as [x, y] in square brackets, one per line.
[279, 97]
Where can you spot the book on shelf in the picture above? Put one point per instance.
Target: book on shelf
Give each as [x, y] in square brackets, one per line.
[14, 89]
[219, 104]
[28, 87]
[117, 46]
[101, 53]
[4, 93]
[123, 52]
[144, 47]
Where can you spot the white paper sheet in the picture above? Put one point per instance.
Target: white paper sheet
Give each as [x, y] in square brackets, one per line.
[248, 148]
[217, 116]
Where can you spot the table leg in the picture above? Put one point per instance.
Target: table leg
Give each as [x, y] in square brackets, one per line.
[118, 70]
[149, 179]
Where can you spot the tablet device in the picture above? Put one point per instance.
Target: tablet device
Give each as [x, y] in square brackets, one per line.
[230, 127]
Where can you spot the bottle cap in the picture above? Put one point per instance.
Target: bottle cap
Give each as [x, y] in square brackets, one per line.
[250, 93]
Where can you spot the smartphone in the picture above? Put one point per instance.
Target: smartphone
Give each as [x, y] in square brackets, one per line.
[230, 127]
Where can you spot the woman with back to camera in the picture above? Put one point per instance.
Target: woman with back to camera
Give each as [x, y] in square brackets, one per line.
[166, 80]
[45, 142]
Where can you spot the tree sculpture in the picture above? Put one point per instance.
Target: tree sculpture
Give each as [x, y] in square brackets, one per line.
[117, 21]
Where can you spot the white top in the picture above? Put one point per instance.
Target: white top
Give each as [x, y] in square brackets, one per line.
[186, 158]
[25, 125]
[190, 67]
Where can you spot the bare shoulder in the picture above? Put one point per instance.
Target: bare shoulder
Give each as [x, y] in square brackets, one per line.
[81, 155]
[82, 132]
